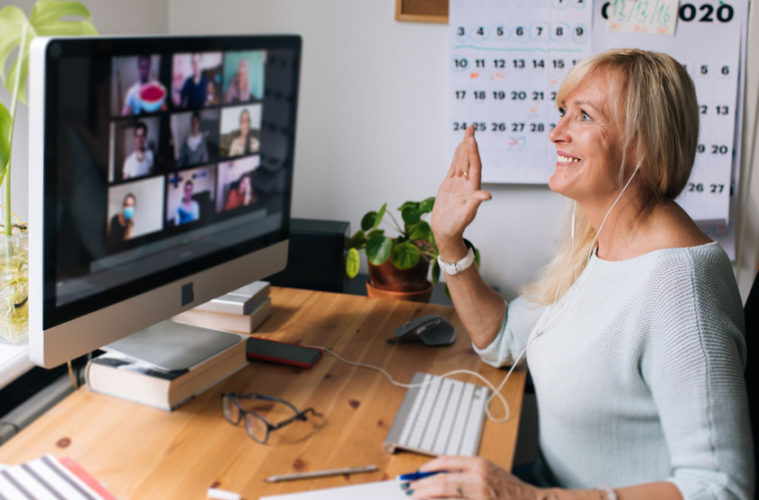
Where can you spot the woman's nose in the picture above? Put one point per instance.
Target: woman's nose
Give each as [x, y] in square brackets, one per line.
[560, 133]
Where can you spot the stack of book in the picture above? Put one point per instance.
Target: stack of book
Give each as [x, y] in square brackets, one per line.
[241, 310]
[186, 360]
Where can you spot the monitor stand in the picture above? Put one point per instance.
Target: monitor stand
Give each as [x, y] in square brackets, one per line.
[174, 346]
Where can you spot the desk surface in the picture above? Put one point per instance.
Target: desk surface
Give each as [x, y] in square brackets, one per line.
[141, 452]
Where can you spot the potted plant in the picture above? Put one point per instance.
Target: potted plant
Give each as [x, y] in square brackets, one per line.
[17, 33]
[398, 266]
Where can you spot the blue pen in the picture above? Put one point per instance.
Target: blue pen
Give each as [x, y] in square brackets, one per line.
[413, 476]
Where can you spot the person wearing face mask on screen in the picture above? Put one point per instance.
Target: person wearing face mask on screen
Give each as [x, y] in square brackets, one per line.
[121, 225]
[633, 334]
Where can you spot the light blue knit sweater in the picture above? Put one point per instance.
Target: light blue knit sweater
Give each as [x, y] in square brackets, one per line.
[639, 375]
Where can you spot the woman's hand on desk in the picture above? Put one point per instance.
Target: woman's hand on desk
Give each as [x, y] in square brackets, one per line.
[457, 199]
[472, 478]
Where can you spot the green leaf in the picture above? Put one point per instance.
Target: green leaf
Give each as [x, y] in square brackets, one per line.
[426, 205]
[380, 215]
[411, 215]
[405, 256]
[367, 221]
[421, 231]
[351, 263]
[47, 17]
[435, 272]
[378, 248]
[414, 204]
[45, 20]
[5, 147]
[12, 22]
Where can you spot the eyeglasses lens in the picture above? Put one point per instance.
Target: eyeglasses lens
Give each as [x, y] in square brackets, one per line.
[256, 427]
[231, 410]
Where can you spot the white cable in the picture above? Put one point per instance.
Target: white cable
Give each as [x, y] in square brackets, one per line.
[496, 392]
[603, 221]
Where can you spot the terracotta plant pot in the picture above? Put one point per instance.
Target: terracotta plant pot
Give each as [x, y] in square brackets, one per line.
[387, 281]
[416, 296]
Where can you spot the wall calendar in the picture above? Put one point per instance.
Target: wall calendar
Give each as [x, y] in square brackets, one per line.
[508, 58]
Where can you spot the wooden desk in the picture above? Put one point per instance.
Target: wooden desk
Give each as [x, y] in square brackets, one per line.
[140, 452]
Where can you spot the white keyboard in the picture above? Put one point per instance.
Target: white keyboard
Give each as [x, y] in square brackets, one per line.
[441, 417]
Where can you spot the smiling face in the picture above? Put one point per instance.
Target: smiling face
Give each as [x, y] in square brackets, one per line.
[588, 141]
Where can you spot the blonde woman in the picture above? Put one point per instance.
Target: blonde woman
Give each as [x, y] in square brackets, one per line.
[633, 334]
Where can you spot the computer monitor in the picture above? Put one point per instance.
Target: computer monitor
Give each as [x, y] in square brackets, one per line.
[160, 174]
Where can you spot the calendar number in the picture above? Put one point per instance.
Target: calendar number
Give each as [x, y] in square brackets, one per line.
[461, 126]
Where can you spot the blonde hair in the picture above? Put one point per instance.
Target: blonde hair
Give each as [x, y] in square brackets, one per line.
[654, 104]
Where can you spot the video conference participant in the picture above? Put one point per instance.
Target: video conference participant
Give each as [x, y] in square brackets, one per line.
[140, 161]
[194, 91]
[189, 209]
[239, 86]
[121, 225]
[242, 195]
[245, 143]
[194, 149]
[633, 334]
[133, 103]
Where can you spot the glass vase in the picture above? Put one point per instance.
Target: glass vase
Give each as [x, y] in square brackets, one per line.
[14, 286]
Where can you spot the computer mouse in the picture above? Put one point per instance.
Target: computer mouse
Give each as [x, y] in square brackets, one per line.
[432, 330]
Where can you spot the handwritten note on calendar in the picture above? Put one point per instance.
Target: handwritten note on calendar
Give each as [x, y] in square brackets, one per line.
[508, 58]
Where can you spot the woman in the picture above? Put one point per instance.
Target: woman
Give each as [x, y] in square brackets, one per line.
[633, 334]
[241, 196]
[239, 86]
[122, 224]
[194, 149]
[245, 143]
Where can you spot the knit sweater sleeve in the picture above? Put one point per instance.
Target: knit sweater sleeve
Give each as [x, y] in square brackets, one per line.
[693, 361]
[519, 318]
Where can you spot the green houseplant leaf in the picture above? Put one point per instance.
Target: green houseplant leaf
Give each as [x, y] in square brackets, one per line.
[16, 34]
[405, 255]
[5, 147]
[45, 20]
[352, 263]
[378, 248]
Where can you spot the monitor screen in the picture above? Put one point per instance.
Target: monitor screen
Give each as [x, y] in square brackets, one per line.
[160, 176]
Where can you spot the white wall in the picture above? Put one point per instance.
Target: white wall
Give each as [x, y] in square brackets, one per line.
[110, 18]
[372, 124]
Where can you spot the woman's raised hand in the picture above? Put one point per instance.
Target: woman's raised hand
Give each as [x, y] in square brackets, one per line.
[458, 197]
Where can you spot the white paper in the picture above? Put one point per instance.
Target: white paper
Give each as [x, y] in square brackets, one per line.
[382, 490]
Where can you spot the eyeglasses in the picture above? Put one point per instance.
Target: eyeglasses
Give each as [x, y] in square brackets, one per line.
[257, 426]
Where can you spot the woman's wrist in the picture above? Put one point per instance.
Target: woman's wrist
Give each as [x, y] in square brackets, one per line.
[452, 251]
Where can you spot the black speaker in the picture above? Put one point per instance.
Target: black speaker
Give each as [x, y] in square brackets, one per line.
[316, 257]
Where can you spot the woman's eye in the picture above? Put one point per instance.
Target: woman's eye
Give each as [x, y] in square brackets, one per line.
[585, 116]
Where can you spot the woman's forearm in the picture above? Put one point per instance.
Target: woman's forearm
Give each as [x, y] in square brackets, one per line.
[478, 306]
